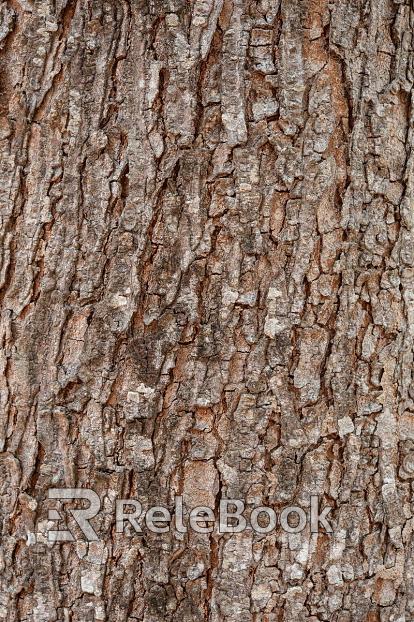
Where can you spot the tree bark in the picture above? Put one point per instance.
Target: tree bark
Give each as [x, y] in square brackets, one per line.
[207, 290]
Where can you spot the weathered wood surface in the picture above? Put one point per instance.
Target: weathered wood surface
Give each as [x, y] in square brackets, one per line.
[207, 288]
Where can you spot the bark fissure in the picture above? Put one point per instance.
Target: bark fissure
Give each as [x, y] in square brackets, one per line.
[206, 284]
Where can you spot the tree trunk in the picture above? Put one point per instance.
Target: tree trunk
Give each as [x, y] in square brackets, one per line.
[207, 290]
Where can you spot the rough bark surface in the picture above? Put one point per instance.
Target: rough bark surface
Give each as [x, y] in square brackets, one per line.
[207, 289]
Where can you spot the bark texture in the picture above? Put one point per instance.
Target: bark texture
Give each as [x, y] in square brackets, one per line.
[207, 289]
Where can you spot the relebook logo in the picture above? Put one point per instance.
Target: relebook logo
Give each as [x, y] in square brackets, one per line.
[231, 517]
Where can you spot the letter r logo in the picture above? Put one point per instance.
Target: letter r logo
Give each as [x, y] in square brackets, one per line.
[81, 517]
